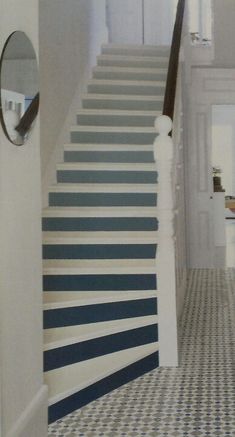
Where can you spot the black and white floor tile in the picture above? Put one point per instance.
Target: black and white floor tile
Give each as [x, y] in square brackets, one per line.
[196, 399]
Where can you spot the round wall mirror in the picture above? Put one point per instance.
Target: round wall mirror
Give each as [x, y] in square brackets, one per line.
[19, 86]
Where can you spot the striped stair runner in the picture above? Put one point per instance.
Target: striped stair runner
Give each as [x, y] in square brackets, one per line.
[100, 235]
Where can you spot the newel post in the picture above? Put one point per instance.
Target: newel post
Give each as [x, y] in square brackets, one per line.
[165, 262]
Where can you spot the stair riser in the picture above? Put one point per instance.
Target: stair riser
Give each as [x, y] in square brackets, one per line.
[141, 90]
[144, 105]
[102, 199]
[112, 137]
[99, 224]
[74, 316]
[102, 387]
[77, 176]
[135, 51]
[99, 251]
[104, 156]
[130, 63]
[116, 120]
[123, 75]
[113, 283]
[67, 355]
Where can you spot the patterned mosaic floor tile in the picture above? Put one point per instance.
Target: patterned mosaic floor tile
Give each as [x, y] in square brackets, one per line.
[195, 400]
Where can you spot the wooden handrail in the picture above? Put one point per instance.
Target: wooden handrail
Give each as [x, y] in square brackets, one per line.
[29, 116]
[170, 92]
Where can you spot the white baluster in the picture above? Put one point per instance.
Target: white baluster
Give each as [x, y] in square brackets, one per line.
[166, 280]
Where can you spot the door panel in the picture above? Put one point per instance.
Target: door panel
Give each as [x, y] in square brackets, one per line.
[124, 19]
[140, 21]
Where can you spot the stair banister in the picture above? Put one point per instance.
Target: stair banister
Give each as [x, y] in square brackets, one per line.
[170, 92]
[29, 116]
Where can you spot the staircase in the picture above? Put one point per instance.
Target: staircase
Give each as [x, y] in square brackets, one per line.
[100, 235]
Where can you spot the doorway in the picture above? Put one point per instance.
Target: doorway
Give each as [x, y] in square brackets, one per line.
[223, 163]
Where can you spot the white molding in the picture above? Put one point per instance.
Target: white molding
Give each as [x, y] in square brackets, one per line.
[33, 421]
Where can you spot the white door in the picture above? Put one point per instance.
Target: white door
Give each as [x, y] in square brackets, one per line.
[159, 17]
[125, 21]
[140, 21]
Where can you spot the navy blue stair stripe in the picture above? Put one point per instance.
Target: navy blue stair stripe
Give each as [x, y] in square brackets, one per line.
[140, 89]
[141, 105]
[102, 387]
[99, 251]
[99, 224]
[72, 316]
[113, 120]
[89, 349]
[112, 137]
[102, 199]
[114, 283]
[119, 75]
[96, 176]
[106, 156]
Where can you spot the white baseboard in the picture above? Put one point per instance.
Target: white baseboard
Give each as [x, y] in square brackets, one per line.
[33, 421]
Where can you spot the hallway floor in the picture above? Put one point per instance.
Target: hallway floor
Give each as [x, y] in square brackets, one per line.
[196, 399]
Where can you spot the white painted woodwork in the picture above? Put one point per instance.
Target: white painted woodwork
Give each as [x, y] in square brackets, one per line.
[210, 86]
[166, 279]
[219, 220]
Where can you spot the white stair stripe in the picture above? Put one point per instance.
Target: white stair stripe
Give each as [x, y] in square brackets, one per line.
[137, 98]
[54, 267]
[109, 166]
[113, 129]
[107, 211]
[100, 235]
[142, 59]
[67, 299]
[109, 69]
[86, 147]
[129, 83]
[64, 336]
[103, 188]
[118, 112]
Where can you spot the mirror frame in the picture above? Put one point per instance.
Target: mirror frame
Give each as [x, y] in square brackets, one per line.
[2, 121]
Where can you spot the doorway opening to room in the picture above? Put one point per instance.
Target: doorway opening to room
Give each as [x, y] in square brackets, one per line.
[223, 169]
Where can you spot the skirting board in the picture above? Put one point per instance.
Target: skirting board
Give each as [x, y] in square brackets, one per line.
[33, 421]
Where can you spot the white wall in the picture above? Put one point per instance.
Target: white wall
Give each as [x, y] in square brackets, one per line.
[71, 34]
[224, 32]
[23, 396]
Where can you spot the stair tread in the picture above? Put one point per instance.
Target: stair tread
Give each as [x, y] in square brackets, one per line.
[109, 166]
[121, 129]
[57, 337]
[57, 238]
[126, 82]
[77, 147]
[127, 97]
[107, 211]
[107, 68]
[136, 46]
[103, 188]
[126, 57]
[118, 112]
[53, 300]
